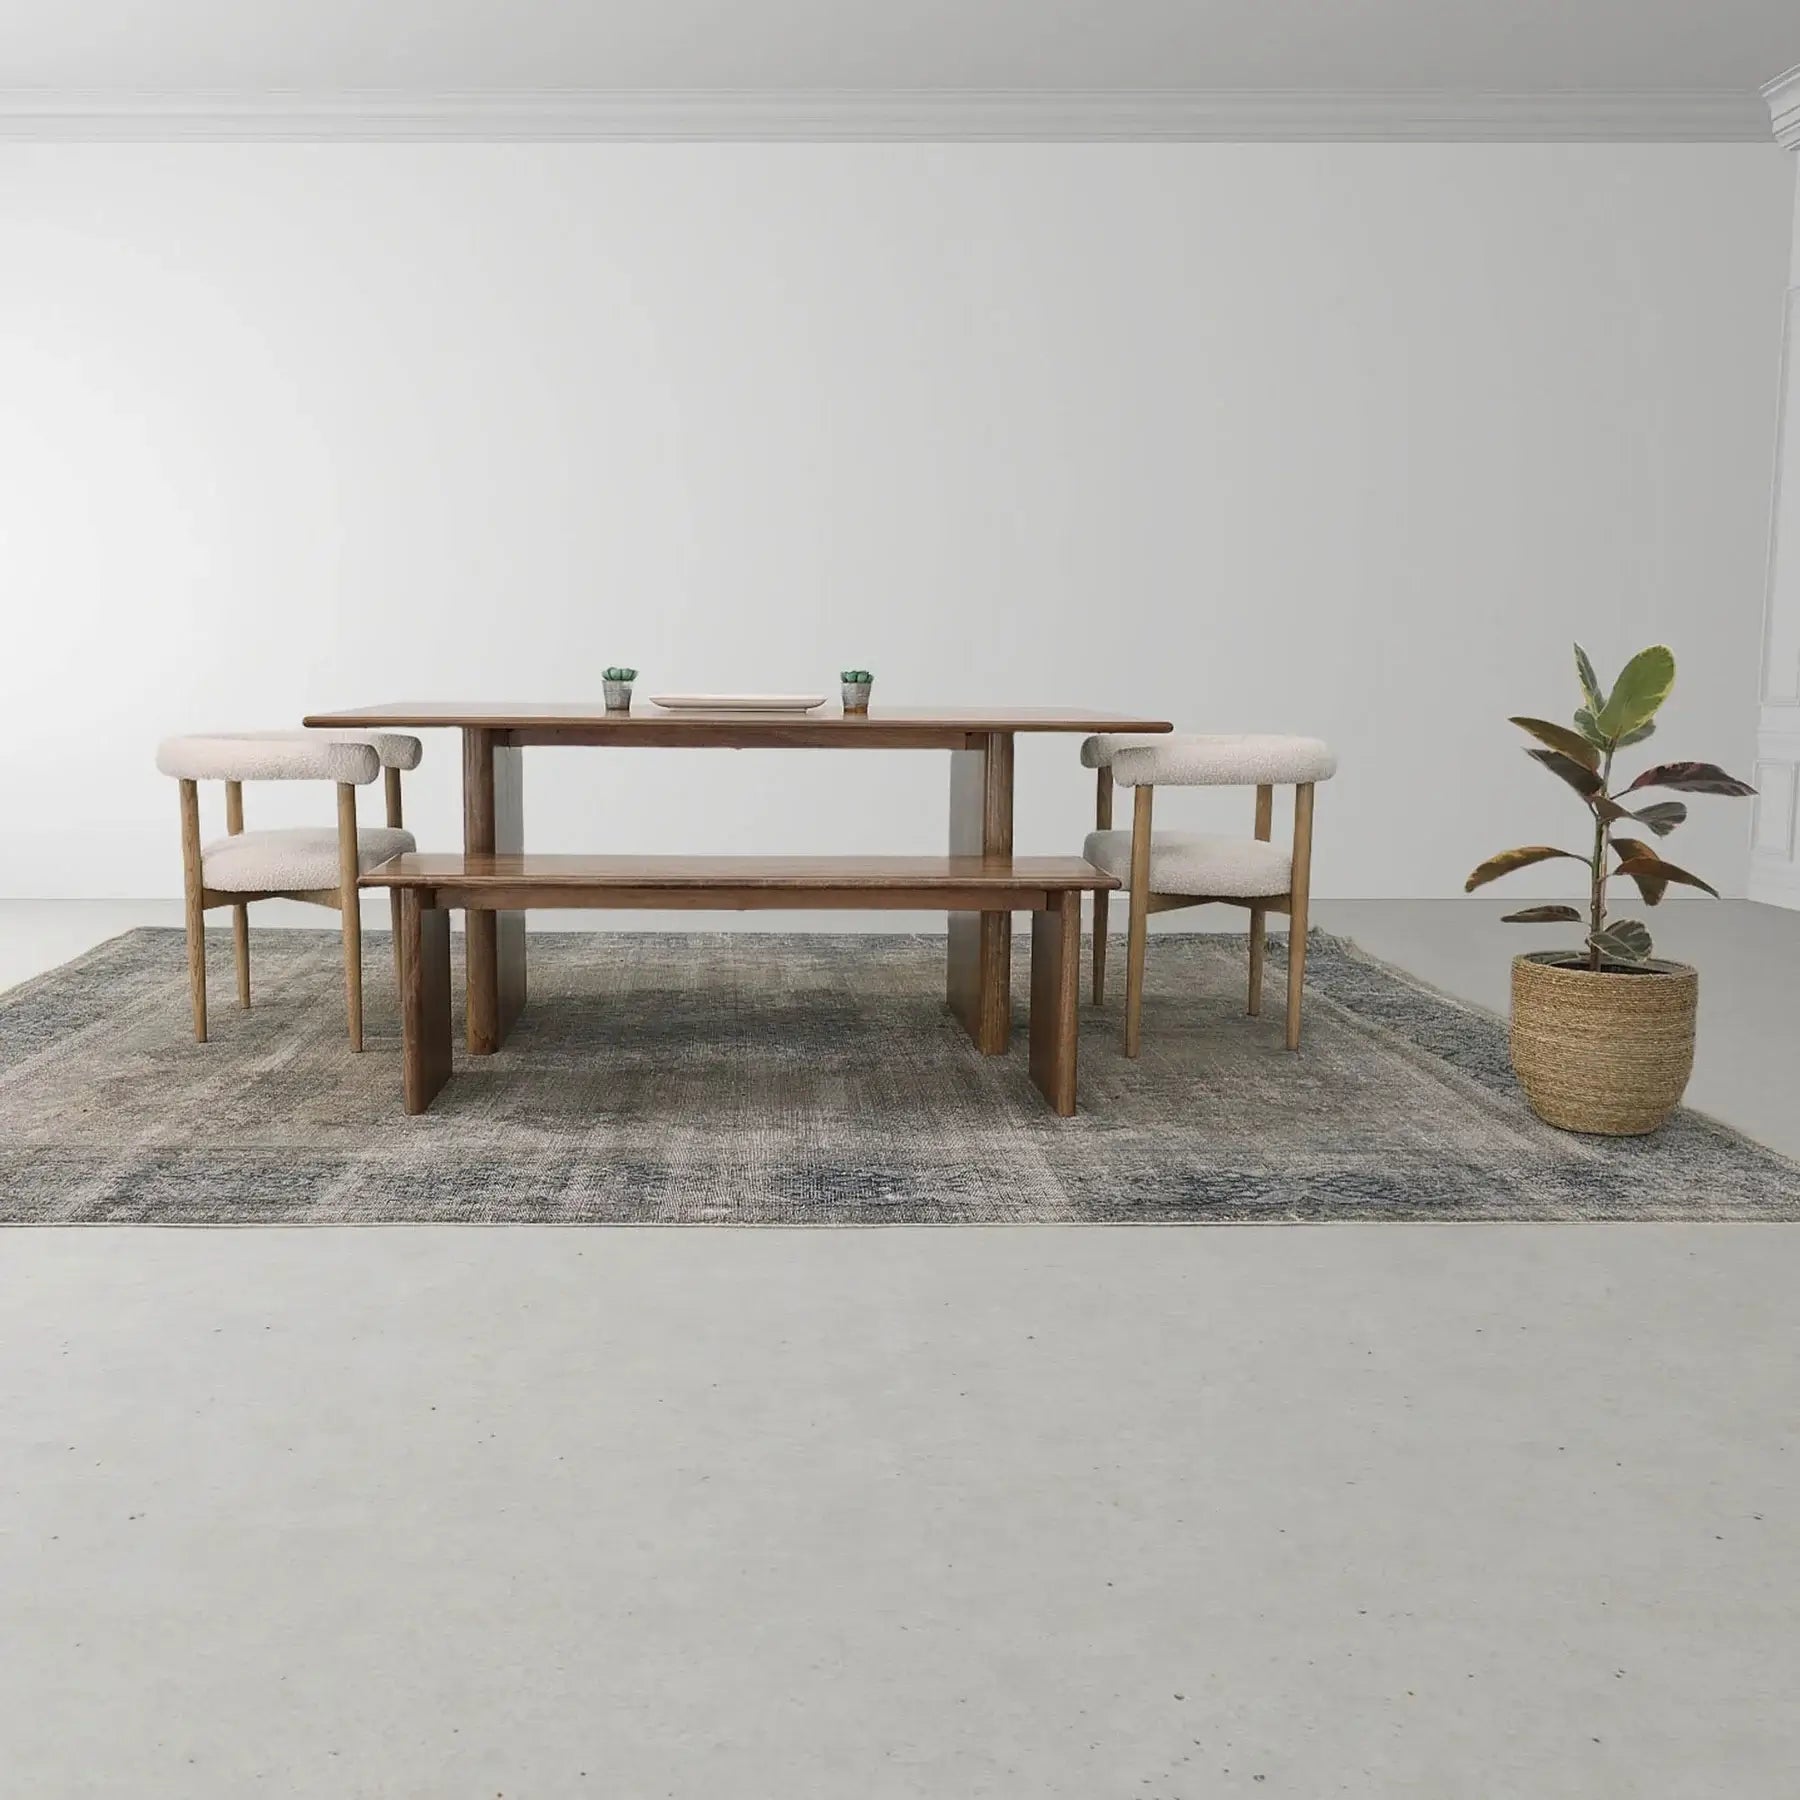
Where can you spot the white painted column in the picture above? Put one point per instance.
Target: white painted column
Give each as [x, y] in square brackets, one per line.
[1775, 839]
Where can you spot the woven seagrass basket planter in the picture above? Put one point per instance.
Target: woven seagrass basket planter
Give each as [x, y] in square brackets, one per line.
[1606, 1052]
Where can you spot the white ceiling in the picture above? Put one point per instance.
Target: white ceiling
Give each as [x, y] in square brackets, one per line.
[1337, 46]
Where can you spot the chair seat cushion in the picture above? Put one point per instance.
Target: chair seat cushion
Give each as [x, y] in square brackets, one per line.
[275, 862]
[1188, 862]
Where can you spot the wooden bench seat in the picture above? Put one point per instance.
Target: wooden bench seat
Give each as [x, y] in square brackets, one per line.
[429, 887]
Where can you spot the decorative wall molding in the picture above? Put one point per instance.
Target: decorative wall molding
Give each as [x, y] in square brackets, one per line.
[936, 116]
[1775, 827]
[1783, 96]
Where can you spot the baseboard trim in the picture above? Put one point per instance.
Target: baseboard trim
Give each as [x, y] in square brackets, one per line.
[971, 115]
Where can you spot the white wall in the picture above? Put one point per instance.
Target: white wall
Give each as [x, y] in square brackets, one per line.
[1340, 439]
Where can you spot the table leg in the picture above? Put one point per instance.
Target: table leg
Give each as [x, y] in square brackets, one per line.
[493, 824]
[1055, 990]
[424, 999]
[979, 981]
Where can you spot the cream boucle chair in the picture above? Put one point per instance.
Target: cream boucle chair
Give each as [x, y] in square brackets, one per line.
[1165, 870]
[317, 866]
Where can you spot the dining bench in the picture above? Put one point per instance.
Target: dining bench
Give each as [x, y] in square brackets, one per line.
[431, 886]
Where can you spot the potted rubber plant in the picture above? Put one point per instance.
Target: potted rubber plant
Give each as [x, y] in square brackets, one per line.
[1603, 1034]
[617, 683]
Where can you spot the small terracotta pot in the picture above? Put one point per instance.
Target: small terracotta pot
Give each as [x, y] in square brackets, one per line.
[1608, 1051]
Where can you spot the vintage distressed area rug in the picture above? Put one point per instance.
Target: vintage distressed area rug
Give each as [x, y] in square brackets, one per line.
[752, 1078]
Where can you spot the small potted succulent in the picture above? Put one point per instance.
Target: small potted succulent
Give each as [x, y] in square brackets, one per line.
[618, 688]
[857, 683]
[1603, 1036]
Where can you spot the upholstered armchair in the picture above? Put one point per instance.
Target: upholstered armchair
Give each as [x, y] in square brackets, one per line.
[1169, 869]
[318, 866]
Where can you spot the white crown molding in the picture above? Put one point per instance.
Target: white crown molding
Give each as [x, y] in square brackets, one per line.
[1783, 96]
[939, 116]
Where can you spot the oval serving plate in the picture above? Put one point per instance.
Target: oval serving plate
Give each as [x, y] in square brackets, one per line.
[737, 702]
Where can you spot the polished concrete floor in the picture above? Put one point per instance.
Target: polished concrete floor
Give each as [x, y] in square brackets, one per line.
[1465, 1513]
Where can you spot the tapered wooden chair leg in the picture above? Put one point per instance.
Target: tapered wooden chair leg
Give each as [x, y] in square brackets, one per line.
[240, 950]
[350, 911]
[1297, 908]
[1103, 817]
[1100, 948]
[396, 817]
[1140, 919]
[240, 914]
[1258, 946]
[194, 908]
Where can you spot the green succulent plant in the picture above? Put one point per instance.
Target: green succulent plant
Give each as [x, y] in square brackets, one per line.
[1582, 756]
[618, 675]
[855, 676]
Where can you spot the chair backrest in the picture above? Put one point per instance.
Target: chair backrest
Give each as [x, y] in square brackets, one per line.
[1098, 752]
[1243, 760]
[395, 748]
[268, 756]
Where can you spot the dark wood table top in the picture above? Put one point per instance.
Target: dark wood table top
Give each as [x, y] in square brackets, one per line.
[649, 724]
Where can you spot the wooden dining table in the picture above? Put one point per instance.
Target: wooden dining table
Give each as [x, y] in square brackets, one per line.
[495, 735]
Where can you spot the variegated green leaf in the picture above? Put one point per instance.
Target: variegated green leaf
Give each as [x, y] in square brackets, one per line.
[1642, 687]
[1584, 723]
[1590, 682]
[1625, 940]
[1542, 915]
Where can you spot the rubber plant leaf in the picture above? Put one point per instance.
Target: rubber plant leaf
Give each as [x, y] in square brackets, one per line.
[1584, 723]
[1691, 778]
[1542, 915]
[1642, 687]
[1509, 860]
[1625, 940]
[1646, 730]
[1634, 860]
[1651, 865]
[1662, 816]
[1559, 737]
[1585, 781]
[1590, 682]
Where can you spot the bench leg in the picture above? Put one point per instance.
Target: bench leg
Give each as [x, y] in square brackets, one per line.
[424, 999]
[493, 823]
[1055, 990]
[979, 973]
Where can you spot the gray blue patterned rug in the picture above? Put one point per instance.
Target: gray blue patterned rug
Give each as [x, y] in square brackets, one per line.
[739, 1078]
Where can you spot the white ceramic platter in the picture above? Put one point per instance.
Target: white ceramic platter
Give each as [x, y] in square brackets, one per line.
[738, 702]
